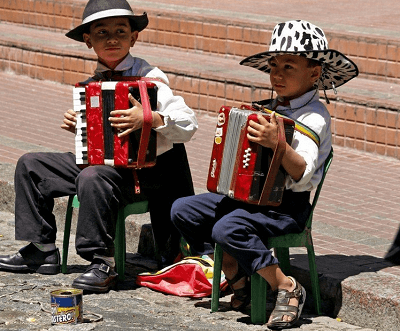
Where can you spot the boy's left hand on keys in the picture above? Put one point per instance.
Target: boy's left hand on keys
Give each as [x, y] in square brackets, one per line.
[264, 133]
[69, 121]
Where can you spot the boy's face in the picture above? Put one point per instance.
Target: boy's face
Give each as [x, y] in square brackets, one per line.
[111, 39]
[291, 76]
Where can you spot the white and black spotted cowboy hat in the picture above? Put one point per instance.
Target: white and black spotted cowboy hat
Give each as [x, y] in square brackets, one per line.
[305, 39]
[98, 9]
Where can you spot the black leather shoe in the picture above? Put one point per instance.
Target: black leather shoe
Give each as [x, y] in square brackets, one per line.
[98, 277]
[32, 259]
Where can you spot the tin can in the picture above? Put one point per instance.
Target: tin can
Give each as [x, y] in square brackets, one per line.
[66, 306]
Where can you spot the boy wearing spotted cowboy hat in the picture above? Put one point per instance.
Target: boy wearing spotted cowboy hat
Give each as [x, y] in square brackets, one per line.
[300, 64]
[110, 28]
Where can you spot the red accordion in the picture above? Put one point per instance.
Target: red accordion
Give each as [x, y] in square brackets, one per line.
[244, 170]
[96, 142]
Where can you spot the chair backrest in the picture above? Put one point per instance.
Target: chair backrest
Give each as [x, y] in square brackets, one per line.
[327, 164]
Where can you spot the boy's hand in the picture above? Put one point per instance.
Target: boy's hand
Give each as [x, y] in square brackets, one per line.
[69, 121]
[264, 133]
[128, 120]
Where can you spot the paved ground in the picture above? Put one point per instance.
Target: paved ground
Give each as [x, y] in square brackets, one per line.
[25, 302]
[354, 224]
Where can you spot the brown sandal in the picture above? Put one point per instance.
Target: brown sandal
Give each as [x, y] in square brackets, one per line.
[241, 294]
[282, 307]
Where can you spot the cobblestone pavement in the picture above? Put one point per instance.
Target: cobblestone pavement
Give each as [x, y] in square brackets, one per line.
[25, 301]
[354, 223]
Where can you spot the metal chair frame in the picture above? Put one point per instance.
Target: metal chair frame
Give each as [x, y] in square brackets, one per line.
[139, 207]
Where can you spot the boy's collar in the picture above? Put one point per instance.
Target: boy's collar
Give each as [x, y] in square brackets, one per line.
[126, 64]
[299, 102]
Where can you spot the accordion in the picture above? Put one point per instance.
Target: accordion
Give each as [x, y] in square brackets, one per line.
[244, 170]
[96, 142]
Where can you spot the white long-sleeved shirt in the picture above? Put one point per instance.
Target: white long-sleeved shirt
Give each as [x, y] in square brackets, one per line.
[313, 114]
[180, 122]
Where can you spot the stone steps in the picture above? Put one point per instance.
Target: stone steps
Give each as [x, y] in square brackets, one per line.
[200, 53]
[377, 56]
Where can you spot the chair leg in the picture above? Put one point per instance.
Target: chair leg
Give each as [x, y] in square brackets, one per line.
[67, 230]
[259, 288]
[282, 254]
[258, 299]
[216, 278]
[120, 245]
[314, 280]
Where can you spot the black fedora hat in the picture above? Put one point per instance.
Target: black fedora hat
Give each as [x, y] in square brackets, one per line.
[98, 9]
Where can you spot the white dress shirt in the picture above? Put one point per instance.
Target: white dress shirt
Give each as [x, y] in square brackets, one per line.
[308, 110]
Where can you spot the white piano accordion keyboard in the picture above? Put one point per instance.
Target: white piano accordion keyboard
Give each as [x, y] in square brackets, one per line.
[81, 150]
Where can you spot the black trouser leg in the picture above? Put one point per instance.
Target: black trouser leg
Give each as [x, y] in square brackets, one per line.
[39, 178]
[169, 180]
[101, 190]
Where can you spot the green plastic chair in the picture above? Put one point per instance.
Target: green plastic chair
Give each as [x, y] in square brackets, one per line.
[281, 245]
[139, 207]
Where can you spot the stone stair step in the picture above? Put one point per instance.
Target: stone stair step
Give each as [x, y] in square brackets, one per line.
[364, 113]
[226, 32]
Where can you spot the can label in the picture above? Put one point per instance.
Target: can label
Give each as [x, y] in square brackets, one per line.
[66, 306]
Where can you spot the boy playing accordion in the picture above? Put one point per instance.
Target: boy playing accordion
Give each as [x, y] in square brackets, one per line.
[300, 64]
[111, 29]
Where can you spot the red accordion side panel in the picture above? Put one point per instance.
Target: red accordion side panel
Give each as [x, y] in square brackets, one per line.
[94, 118]
[218, 148]
[121, 145]
[245, 166]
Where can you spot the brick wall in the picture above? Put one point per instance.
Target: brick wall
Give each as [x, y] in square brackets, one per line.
[378, 58]
[359, 126]
[365, 128]
[355, 123]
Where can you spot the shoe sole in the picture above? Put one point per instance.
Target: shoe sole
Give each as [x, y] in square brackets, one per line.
[96, 289]
[44, 269]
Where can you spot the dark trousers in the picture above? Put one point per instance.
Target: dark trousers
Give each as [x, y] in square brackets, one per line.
[102, 190]
[240, 229]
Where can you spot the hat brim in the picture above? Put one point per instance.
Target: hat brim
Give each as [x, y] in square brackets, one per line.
[139, 21]
[337, 71]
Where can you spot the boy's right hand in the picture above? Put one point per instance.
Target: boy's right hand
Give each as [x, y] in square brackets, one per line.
[264, 132]
[69, 121]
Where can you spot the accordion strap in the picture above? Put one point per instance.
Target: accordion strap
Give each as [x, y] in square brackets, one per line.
[147, 123]
[300, 127]
[275, 164]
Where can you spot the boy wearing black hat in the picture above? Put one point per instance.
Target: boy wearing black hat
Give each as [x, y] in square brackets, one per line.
[299, 63]
[111, 29]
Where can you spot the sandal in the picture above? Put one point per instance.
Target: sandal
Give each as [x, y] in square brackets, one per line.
[282, 307]
[240, 294]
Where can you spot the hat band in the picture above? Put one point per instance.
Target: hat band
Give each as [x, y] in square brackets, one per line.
[107, 13]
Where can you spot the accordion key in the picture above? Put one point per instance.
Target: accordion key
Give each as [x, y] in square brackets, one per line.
[96, 142]
[243, 170]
